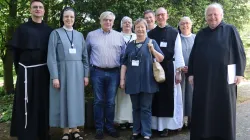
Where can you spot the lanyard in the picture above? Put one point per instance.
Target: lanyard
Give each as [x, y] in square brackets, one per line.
[126, 43]
[71, 41]
[137, 50]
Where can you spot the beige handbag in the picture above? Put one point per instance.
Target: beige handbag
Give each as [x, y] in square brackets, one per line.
[158, 71]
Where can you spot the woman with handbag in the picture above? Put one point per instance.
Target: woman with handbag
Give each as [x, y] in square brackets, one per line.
[138, 80]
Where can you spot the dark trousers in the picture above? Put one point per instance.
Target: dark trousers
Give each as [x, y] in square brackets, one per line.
[141, 104]
[105, 84]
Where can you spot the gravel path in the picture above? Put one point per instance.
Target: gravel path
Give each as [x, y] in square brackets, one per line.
[243, 123]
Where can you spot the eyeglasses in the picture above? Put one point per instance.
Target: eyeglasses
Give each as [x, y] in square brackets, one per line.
[37, 7]
[161, 14]
[126, 22]
[107, 20]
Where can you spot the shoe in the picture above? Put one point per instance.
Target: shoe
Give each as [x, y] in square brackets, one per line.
[122, 126]
[65, 137]
[146, 138]
[114, 134]
[76, 136]
[99, 135]
[130, 125]
[135, 137]
[164, 133]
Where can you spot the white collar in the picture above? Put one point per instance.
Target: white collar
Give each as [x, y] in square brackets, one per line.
[68, 29]
[127, 33]
[186, 35]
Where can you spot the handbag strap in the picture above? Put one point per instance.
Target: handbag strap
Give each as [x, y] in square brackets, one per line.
[150, 42]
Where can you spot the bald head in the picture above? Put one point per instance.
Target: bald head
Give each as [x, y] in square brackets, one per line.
[217, 6]
[161, 10]
[214, 15]
[161, 17]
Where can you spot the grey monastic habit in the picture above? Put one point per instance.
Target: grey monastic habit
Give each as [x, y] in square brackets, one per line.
[67, 103]
[187, 90]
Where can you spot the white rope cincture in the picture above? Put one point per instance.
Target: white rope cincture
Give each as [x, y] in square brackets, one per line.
[26, 88]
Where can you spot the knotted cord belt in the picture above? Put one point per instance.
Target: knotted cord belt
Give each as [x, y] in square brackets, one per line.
[26, 87]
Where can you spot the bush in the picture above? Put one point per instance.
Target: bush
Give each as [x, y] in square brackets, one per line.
[6, 104]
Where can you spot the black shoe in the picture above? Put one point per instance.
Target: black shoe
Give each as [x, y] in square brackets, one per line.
[114, 134]
[164, 133]
[99, 135]
[135, 137]
[123, 126]
[130, 125]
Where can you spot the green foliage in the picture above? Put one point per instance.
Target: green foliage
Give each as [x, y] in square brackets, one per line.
[236, 12]
[6, 106]
[88, 11]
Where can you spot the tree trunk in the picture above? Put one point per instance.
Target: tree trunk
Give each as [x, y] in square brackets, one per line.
[45, 18]
[8, 58]
[8, 75]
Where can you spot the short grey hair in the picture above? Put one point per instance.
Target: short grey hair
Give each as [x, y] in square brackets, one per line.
[126, 18]
[185, 18]
[149, 11]
[161, 8]
[105, 14]
[215, 5]
[139, 20]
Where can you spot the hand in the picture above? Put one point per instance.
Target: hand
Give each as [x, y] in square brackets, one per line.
[178, 77]
[56, 83]
[151, 47]
[238, 79]
[184, 69]
[122, 83]
[86, 81]
[191, 80]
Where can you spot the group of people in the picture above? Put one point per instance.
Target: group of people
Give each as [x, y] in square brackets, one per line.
[54, 66]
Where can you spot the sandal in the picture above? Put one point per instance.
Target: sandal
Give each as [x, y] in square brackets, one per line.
[65, 136]
[76, 136]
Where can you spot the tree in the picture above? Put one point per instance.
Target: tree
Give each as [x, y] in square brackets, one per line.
[6, 52]
[14, 12]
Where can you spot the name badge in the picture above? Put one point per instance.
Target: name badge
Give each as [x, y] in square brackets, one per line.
[163, 44]
[72, 50]
[135, 62]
